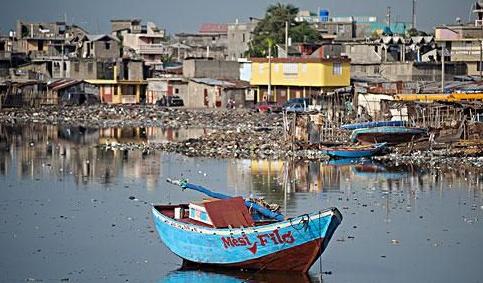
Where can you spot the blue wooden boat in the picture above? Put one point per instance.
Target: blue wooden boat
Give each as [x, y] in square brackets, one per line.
[355, 151]
[225, 233]
[388, 134]
[374, 124]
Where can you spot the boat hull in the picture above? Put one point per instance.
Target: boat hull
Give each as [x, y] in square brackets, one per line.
[354, 153]
[369, 138]
[373, 124]
[291, 245]
[389, 135]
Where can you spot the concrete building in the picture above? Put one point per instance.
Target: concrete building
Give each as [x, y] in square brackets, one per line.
[423, 71]
[159, 87]
[99, 46]
[298, 77]
[119, 26]
[239, 36]
[201, 68]
[91, 69]
[212, 93]
[462, 43]
[120, 92]
[149, 44]
[6, 48]
[210, 42]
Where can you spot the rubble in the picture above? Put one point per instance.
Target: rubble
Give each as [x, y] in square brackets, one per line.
[141, 116]
[229, 144]
[239, 133]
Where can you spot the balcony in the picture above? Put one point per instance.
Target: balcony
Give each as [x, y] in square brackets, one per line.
[152, 49]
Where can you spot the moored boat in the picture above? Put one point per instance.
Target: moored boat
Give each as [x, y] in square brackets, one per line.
[355, 151]
[223, 232]
[389, 135]
[354, 126]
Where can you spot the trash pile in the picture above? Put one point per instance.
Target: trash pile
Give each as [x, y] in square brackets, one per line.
[103, 116]
[261, 143]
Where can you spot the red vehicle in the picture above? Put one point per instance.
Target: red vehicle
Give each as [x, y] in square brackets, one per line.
[268, 106]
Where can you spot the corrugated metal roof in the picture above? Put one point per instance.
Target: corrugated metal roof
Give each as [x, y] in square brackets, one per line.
[63, 83]
[222, 83]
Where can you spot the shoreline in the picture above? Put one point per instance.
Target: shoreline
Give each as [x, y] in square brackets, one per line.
[237, 133]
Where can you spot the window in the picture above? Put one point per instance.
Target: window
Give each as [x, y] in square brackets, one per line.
[243, 37]
[337, 69]
[290, 69]
[90, 67]
[76, 67]
[108, 45]
[176, 90]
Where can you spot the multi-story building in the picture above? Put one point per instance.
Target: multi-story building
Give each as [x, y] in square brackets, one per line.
[298, 77]
[462, 43]
[210, 42]
[146, 41]
[239, 37]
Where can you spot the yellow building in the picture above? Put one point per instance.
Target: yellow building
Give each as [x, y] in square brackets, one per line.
[298, 77]
[120, 92]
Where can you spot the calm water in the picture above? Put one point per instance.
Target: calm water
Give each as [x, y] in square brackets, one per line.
[67, 213]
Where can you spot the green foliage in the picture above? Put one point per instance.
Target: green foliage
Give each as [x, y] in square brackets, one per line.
[415, 32]
[272, 29]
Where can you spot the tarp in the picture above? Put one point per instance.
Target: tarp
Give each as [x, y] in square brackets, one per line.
[229, 212]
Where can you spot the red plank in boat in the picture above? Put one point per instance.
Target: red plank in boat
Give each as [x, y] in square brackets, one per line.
[229, 212]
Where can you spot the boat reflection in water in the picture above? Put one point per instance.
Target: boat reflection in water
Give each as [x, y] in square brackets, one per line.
[227, 276]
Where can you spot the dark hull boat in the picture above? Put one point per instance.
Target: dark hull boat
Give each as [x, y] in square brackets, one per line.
[375, 124]
[389, 135]
[355, 151]
[223, 233]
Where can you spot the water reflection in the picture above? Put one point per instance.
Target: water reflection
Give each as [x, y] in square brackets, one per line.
[409, 215]
[202, 276]
[34, 151]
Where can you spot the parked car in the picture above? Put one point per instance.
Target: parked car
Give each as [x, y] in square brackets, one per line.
[300, 100]
[296, 107]
[170, 101]
[268, 106]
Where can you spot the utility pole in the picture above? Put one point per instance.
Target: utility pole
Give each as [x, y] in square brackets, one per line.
[443, 47]
[388, 16]
[481, 58]
[269, 70]
[286, 39]
[414, 14]
[62, 71]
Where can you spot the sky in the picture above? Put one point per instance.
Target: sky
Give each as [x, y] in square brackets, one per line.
[187, 15]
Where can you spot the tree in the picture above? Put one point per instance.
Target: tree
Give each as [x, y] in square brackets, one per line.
[272, 29]
[415, 32]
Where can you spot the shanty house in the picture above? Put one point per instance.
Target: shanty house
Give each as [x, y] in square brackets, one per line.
[213, 93]
[72, 92]
[159, 87]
